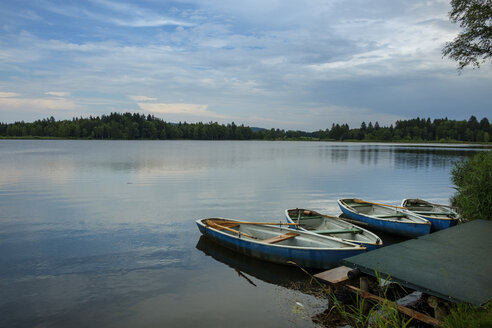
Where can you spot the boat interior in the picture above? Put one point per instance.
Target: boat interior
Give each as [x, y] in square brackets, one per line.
[382, 212]
[323, 224]
[271, 234]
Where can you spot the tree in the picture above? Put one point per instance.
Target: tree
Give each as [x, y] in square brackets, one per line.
[473, 180]
[473, 44]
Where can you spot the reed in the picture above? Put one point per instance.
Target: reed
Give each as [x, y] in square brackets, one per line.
[468, 316]
[362, 313]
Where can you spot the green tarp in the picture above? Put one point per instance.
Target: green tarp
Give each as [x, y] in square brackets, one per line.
[454, 264]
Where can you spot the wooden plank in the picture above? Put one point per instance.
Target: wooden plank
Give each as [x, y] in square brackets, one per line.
[280, 238]
[334, 276]
[260, 223]
[435, 213]
[403, 309]
[360, 201]
[334, 232]
[214, 225]
[386, 216]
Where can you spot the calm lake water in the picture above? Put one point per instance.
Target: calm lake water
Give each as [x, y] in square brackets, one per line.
[103, 233]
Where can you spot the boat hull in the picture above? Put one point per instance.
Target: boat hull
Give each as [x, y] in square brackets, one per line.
[323, 258]
[406, 229]
[438, 222]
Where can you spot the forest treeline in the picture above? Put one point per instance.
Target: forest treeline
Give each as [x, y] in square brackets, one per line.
[138, 126]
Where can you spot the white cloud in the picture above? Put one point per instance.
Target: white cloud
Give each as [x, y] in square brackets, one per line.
[8, 94]
[142, 98]
[12, 101]
[57, 94]
[261, 62]
[180, 109]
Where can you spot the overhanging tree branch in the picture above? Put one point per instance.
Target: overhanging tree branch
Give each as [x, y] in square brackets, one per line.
[473, 45]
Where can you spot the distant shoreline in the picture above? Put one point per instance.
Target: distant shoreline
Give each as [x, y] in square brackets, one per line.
[400, 142]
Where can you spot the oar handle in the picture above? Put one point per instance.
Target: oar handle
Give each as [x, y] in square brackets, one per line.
[360, 201]
[262, 223]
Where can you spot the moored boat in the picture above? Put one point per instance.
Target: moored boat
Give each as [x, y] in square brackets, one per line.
[388, 219]
[440, 216]
[278, 244]
[327, 225]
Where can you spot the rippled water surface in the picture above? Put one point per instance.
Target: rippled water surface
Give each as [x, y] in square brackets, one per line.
[103, 234]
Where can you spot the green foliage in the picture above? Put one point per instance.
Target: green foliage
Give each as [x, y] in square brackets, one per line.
[136, 126]
[381, 314]
[473, 44]
[473, 180]
[468, 316]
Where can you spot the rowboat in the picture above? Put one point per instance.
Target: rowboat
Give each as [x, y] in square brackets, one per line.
[278, 244]
[332, 226]
[440, 216]
[385, 218]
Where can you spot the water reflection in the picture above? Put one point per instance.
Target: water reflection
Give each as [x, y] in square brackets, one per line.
[281, 275]
[425, 157]
[102, 233]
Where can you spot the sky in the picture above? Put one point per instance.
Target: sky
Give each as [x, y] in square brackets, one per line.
[300, 65]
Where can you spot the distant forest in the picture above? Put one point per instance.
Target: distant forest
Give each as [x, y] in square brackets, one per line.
[138, 126]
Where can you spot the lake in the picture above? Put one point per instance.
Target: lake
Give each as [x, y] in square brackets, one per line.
[103, 233]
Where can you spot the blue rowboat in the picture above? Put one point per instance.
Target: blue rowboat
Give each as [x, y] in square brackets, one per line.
[440, 216]
[327, 225]
[278, 244]
[385, 218]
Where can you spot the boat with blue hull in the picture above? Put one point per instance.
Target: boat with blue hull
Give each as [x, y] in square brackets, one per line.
[332, 226]
[385, 218]
[278, 244]
[440, 216]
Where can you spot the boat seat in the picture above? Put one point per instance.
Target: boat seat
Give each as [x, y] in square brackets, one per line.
[311, 217]
[396, 215]
[277, 239]
[431, 213]
[221, 225]
[333, 232]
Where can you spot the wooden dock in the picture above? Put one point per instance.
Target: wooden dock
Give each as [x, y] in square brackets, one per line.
[453, 264]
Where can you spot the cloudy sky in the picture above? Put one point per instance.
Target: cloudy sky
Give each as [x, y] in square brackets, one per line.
[268, 63]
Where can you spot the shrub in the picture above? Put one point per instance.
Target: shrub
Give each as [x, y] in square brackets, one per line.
[473, 180]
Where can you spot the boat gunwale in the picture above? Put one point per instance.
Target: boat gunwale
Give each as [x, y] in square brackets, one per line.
[351, 209]
[354, 246]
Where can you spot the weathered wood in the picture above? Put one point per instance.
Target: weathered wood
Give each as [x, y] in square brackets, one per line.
[403, 309]
[335, 232]
[217, 226]
[280, 238]
[334, 276]
[386, 216]
[259, 223]
[435, 213]
[360, 201]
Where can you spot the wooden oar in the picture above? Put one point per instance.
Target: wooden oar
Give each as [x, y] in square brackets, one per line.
[313, 213]
[451, 207]
[360, 201]
[221, 227]
[260, 223]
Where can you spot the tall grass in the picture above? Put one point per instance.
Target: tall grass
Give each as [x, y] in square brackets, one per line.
[468, 316]
[362, 313]
[473, 181]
